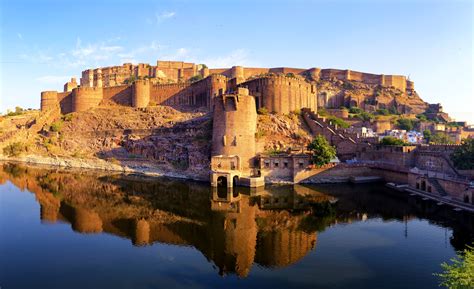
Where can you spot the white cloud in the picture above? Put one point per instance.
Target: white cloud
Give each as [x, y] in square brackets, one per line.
[160, 17]
[53, 79]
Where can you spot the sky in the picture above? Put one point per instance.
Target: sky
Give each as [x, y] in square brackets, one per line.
[45, 43]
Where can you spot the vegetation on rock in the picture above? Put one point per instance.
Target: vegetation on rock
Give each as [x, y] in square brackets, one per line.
[406, 124]
[195, 78]
[15, 149]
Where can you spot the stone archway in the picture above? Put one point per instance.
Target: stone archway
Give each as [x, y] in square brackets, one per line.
[423, 185]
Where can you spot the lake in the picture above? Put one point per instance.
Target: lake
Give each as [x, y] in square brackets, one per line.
[89, 229]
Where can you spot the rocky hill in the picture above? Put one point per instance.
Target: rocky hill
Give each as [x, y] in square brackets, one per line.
[336, 93]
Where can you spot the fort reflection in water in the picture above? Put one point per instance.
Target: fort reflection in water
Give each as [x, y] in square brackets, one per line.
[272, 227]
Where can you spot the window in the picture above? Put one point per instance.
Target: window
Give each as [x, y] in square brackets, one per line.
[285, 164]
[276, 164]
[232, 165]
[267, 164]
[301, 165]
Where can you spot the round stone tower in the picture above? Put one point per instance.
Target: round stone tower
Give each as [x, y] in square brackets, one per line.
[141, 93]
[234, 127]
[49, 100]
[237, 72]
[84, 98]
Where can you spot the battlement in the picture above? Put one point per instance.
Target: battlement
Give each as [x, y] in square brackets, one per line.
[279, 89]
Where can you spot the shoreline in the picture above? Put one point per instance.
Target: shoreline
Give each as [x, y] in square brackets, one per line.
[98, 165]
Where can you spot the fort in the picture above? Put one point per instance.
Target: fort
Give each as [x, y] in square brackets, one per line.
[244, 126]
[175, 83]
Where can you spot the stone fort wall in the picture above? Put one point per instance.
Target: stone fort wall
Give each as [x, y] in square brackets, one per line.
[140, 94]
[272, 88]
[282, 94]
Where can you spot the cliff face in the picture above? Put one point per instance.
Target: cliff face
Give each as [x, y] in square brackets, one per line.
[370, 97]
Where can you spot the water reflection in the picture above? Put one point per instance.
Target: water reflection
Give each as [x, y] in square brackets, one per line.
[273, 227]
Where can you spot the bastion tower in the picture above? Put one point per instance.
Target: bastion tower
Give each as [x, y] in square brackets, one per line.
[233, 137]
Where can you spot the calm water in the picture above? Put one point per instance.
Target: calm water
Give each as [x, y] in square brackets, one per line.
[91, 230]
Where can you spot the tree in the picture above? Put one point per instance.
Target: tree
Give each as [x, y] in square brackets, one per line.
[463, 156]
[440, 138]
[427, 135]
[460, 273]
[405, 123]
[322, 151]
[392, 141]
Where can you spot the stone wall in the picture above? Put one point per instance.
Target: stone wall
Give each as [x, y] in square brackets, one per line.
[398, 81]
[84, 98]
[281, 94]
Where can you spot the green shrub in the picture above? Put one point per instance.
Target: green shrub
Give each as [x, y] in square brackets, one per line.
[260, 134]
[195, 78]
[427, 135]
[262, 111]
[392, 141]
[348, 85]
[67, 117]
[56, 126]
[406, 124]
[365, 116]
[383, 111]
[355, 110]
[15, 149]
[440, 138]
[274, 152]
[131, 79]
[18, 111]
[393, 110]
[421, 117]
[338, 121]
[322, 151]
[290, 74]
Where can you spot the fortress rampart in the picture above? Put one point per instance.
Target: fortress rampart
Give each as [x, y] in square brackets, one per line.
[280, 89]
[84, 98]
[282, 94]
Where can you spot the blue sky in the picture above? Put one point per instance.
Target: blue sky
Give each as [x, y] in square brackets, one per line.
[44, 43]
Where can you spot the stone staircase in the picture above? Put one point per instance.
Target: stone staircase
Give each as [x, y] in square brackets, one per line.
[345, 143]
[434, 182]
